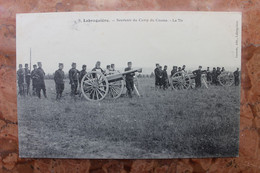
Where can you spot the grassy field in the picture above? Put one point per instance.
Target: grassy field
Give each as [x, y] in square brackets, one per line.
[159, 124]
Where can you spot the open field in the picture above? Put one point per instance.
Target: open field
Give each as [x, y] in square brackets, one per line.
[160, 124]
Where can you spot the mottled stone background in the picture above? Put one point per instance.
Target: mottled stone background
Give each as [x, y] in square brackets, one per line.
[249, 160]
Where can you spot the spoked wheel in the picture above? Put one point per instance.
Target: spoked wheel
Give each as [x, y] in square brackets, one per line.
[94, 86]
[116, 88]
[226, 79]
[180, 81]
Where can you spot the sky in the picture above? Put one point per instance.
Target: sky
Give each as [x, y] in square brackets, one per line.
[145, 38]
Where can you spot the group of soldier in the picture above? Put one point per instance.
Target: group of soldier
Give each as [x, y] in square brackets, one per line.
[24, 76]
[162, 78]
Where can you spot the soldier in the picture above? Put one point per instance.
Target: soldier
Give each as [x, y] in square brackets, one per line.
[157, 77]
[82, 73]
[34, 77]
[174, 70]
[208, 73]
[214, 76]
[107, 71]
[98, 67]
[183, 68]
[179, 69]
[223, 69]
[165, 78]
[20, 79]
[236, 75]
[40, 84]
[198, 74]
[129, 79]
[59, 81]
[73, 76]
[112, 67]
[218, 72]
[27, 78]
[160, 76]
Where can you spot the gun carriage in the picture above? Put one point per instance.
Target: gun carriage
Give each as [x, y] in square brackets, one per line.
[95, 86]
[183, 80]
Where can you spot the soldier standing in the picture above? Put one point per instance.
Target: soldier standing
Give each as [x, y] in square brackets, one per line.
[198, 74]
[27, 78]
[165, 78]
[20, 78]
[59, 81]
[214, 76]
[218, 72]
[34, 77]
[157, 76]
[98, 68]
[236, 75]
[82, 73]
[183, 68]
[112, 69]
[129, 79]
[208, 73]
[73, 76]
[174, 70]
[40, 84]
[107, 71]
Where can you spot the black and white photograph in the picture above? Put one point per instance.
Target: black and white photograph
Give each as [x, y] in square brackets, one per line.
[128, 84]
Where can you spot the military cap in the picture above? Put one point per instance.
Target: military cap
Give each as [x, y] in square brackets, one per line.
[39, 63]
[20, 65]
[200, 66]
[26, 65]
[60, 64]
[34, 65]
[129, 62]
[84, 66]
[73, 63]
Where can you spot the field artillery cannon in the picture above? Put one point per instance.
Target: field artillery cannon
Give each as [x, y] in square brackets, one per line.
[95, 86]
[183, 80]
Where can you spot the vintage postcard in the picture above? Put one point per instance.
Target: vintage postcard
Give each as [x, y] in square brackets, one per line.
[128, 85]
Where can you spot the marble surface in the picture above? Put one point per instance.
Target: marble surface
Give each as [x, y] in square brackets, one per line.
[249, 160]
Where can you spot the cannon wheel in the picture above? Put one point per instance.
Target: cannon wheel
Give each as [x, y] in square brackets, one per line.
[180, 81]
[226, 79]
[116, 88]
[94, 86]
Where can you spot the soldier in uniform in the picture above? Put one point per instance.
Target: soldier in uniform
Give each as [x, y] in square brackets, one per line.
[129, 79]
[112, 68]
[33, 76]
[183, 68]
[198, 74]
[73, 76]
[59, 81]
[40, 84]
[20, 79]
[98, 67]
[27, 77]
[174, 70]
[209, 78]
[165, 78]
[179, 69]
[82, 73]
[236, 75]
[214, 76]
[157, 77]
[218, 72]
[107, 71]
[160, 76]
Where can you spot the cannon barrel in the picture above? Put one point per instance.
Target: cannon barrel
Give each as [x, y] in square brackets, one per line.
[119, 76]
